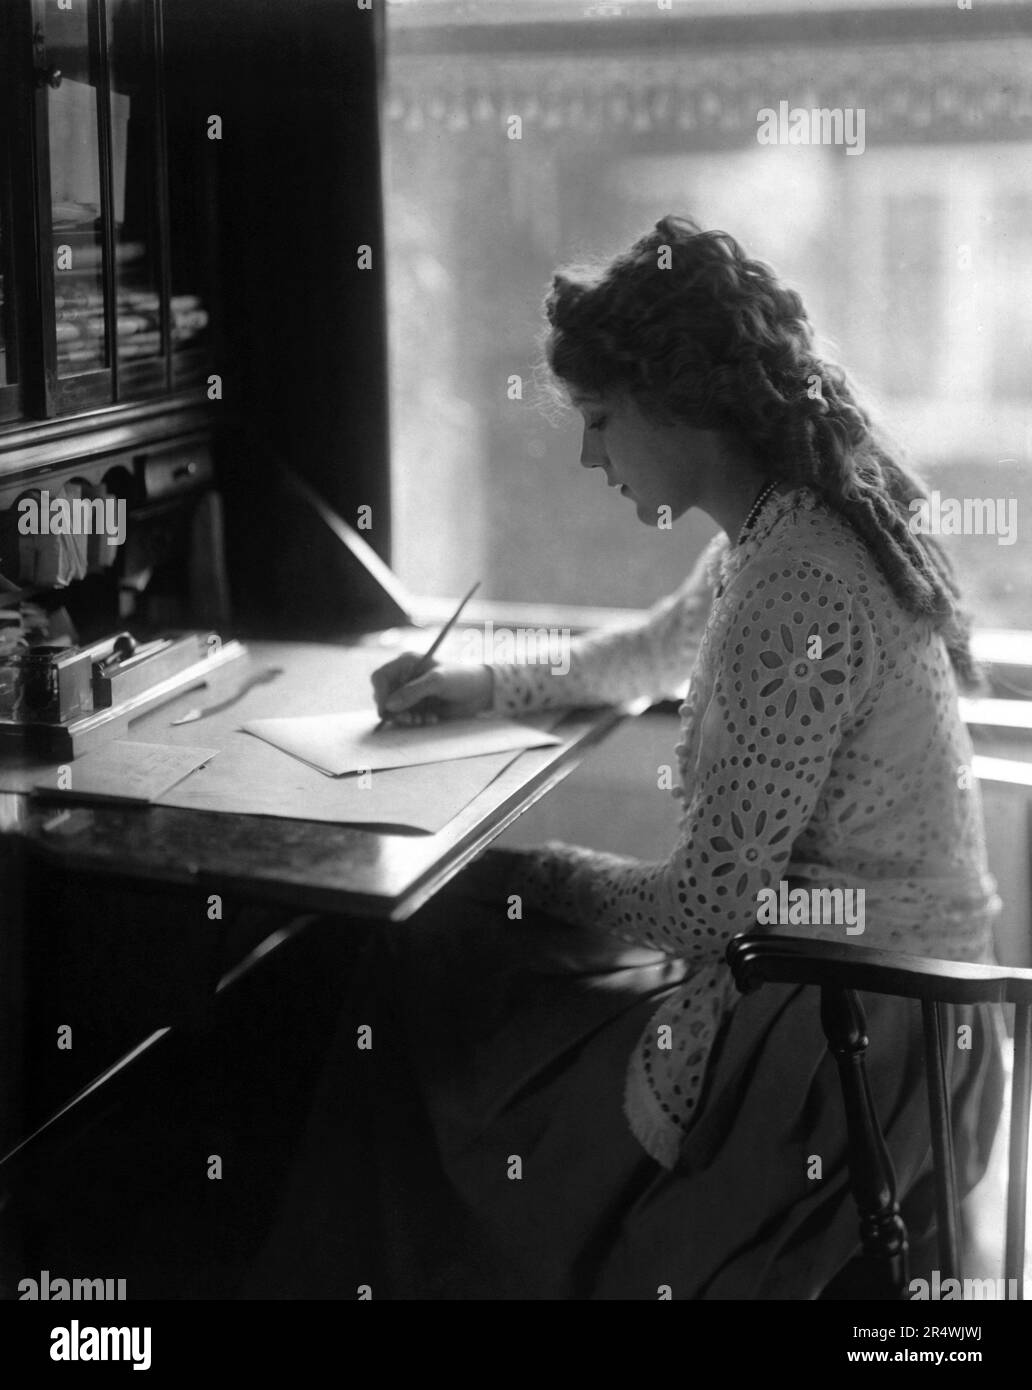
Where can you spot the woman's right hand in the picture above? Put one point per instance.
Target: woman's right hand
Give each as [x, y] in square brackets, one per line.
[445, 692]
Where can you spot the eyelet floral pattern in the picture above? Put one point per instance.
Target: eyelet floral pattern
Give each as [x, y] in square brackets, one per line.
[830, 762]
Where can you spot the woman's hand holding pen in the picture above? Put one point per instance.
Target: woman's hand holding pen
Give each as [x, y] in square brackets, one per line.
[446, 691]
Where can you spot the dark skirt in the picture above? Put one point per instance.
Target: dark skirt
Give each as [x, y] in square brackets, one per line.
[479, 1148]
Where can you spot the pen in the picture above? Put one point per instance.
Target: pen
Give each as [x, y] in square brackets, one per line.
[423, 664]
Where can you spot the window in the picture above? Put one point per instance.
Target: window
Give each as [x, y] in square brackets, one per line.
[913, 258]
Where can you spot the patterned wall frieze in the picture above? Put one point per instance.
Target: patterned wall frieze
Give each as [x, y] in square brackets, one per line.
[937, 91]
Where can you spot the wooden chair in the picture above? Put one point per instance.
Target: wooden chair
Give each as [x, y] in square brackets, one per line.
[841, 971]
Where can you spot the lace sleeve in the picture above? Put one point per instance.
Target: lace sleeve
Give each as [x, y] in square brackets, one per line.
[653, 657]
[765, 744]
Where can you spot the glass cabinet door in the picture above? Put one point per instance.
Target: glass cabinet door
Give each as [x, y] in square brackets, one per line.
[10, 396]
[71, 76]
[141, 295]
[192, 194]
[116, 314]
[6, 371]
[114, 267]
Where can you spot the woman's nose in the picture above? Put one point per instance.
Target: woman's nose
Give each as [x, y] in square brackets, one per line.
[592, 453]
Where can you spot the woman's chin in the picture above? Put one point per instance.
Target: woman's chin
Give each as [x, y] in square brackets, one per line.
[648, 515]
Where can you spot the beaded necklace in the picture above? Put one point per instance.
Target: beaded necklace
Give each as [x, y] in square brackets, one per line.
[755, 509]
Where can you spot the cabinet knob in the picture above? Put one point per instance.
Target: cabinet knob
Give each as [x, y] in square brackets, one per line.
[49, 77]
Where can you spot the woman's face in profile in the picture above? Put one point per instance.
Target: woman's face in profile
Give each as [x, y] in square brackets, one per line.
[655, 465]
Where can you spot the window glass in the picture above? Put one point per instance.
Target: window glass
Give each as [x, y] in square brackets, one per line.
[912, 255]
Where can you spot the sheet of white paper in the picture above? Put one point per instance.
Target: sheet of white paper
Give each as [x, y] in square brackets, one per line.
[252, 778]
[338, 744]
[125, 771]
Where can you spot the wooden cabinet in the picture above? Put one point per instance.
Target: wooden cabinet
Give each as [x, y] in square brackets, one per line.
[107, 314]
[103, 302]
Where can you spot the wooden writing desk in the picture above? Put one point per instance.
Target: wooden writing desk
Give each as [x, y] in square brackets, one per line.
[307, 864]
[162, 965]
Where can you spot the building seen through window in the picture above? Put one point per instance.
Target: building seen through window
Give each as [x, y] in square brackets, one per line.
[911, 252]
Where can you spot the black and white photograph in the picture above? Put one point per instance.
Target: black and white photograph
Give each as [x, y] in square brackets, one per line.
[515, 667]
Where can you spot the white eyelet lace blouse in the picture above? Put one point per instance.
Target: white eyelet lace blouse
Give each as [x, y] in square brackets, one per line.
[840, 763]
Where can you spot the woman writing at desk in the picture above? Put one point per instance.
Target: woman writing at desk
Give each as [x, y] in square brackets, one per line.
[603, 1116]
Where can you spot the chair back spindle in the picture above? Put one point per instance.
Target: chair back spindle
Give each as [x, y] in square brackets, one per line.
[872, 1177]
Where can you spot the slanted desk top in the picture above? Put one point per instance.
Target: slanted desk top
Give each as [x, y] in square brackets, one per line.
[306, 864]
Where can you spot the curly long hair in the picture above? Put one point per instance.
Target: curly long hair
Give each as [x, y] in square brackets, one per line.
[697, 332]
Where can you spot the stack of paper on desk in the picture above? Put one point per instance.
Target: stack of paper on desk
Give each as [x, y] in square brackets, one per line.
[338, 744]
